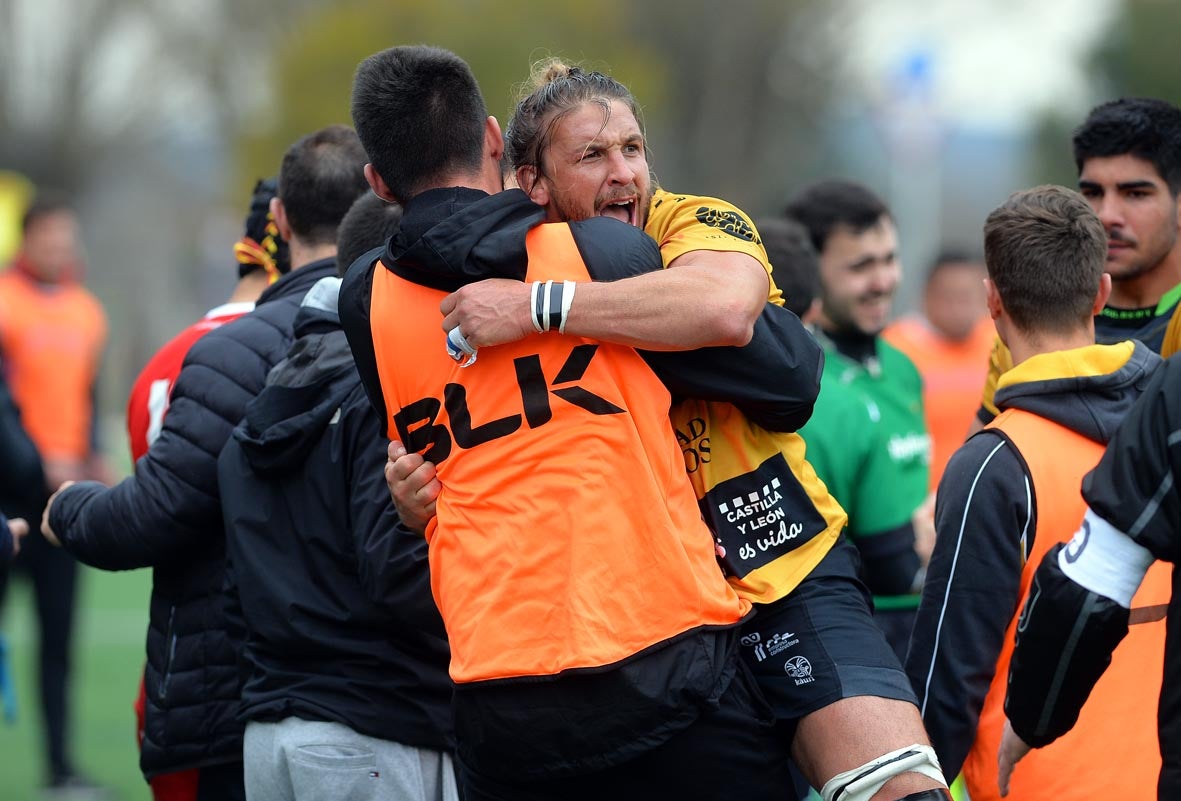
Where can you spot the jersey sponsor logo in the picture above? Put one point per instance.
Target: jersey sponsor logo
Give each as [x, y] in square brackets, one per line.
[419, 430]
[907, 447]
[694, 445]
[776, 644]
[800, 669]
[759, 516]
[729, 221]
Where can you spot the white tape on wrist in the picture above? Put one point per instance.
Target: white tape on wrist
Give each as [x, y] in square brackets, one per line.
[535, 306]
[545, 305]
[567, 298]
[1105, 560]
[458, 347]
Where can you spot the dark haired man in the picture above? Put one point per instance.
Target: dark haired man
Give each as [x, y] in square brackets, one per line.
[1011, 493]
[261, 258]
[875, 464]
[795, 263]
[168, 515]
[347, 691]
[1128, 155]
[370, 222]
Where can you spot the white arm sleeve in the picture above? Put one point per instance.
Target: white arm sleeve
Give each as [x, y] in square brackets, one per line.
[1105, 560]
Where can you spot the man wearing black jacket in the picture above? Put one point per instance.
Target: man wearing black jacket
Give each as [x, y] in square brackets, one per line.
[349, 687]
[168, 515]
[1085, 587]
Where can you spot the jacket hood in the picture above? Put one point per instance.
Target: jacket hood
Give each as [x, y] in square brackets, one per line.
[451, 237]
[1089, 390]
[303, 392]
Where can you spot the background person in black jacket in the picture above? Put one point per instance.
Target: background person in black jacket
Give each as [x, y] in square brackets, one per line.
[168, 515]
[348, 693]
[20, 474]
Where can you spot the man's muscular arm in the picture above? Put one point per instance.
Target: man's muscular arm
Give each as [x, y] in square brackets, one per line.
[711, 299]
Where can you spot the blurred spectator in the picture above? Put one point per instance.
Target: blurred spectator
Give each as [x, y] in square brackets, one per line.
[875, 464]
[794, 264]
[52, 333]
[949, 344]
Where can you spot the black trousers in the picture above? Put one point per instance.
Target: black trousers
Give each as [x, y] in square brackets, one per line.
[54, 574]
[731, 751]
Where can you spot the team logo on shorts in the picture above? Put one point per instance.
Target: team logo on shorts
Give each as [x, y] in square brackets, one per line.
[728, 221]
[800, 669]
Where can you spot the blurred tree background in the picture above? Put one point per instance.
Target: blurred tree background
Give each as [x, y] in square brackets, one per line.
[156, 116]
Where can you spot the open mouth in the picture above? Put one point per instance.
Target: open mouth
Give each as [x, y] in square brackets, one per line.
[622, 210]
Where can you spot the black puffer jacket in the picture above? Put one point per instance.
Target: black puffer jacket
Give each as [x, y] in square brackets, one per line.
[168, 517]
[334, 592]
[22, 484]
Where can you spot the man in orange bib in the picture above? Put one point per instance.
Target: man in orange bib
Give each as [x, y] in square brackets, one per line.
[1011, 493]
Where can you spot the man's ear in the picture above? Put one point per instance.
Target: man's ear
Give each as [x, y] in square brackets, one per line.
[995, 306]
[493, 139]
[1102, 295]
[530, 180]
[378, 185]
[279, 212]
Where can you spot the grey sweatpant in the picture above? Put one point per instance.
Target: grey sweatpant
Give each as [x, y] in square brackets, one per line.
[303, 760]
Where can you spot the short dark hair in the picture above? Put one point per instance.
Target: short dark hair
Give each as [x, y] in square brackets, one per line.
[1045, 251]
[420, 116]
[367, 225]
[823, 206]
[556, 89]
[1143, 127]
[320, 177]
[794, 263]
[44, 204]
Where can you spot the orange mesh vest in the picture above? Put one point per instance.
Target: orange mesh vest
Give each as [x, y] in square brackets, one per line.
[51, 340]
[953, 373]
[1112, 752]
[567, 534]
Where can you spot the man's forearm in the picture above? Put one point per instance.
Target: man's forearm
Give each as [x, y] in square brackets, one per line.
[692, 305]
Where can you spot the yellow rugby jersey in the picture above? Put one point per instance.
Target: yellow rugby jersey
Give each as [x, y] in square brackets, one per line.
[772, 518]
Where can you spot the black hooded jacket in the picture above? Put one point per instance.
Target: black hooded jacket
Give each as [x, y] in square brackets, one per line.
[168, 517]
[333, 590]
[22, 483]
[985, 506]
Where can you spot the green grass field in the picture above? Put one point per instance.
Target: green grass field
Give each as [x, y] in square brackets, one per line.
[108, 658]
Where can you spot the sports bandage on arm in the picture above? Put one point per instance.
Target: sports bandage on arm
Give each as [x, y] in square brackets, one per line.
[549, 304]
[1105, 560]
[862, 783]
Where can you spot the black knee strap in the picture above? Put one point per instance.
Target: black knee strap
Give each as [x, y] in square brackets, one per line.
[939, 794]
